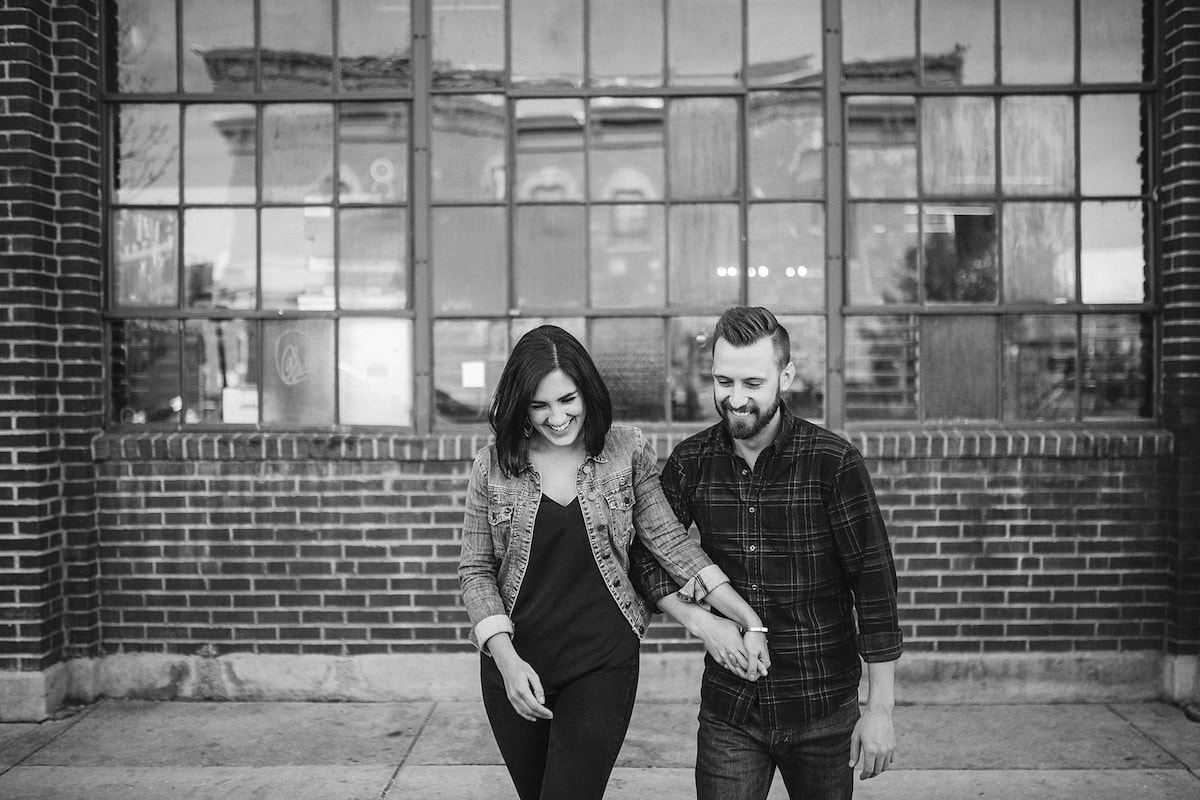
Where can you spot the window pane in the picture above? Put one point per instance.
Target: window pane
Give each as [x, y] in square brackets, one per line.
[691, 369]
[1039, 252]
[467, 147]
[148, 154]
[879, 41]
[960, 254]
[704, 41]
[881, 146]
[297, 258]
[550, 256]
[881, 368]
[786, 145]
[375, 372]
[467, 39]
[628, 258]
[787, 255]
[1037, 139]
[1110, 144]
[549, 150]
[1112, 255]
[958, 38]
[468, 356]
[372, 271]
[627, 43]
[626, 149]
[705, 255]
[145, 32]
[784, 41]
[576, 326]
[1037, 41]
[376, 44]
[298, 371]
[146, 258]
[470, 259]
[373, 152]
[145, 366]
[297, 45]
[220, 369]
[806, 396]
[298, 153]
[1117, 366]
[218, 46]
[219, 257]
[547, 42]
[1111, 41]
[958, 145]
[948, 345]
[630, 356]
[881, 253]
[220, 142]
[704, 147]
[1039, 368]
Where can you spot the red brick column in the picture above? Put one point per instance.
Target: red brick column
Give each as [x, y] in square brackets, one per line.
[51, 356]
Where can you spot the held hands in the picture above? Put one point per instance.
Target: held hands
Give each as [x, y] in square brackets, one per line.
[873, 743]
[745, 657]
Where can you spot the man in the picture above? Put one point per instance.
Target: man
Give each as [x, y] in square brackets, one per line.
[786, 509]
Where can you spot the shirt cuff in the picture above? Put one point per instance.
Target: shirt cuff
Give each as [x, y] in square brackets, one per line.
[884, 646]
[699, 587]
[489, 627]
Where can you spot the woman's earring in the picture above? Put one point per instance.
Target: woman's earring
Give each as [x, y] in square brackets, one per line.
[527, 430]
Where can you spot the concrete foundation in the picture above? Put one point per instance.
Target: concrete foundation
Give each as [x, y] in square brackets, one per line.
[32, 696]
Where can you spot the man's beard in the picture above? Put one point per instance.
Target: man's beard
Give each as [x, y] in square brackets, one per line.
[750, 426]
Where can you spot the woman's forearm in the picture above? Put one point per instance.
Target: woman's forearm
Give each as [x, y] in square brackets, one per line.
[726, 599]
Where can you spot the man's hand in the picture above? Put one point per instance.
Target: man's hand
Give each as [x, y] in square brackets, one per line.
[873, 743]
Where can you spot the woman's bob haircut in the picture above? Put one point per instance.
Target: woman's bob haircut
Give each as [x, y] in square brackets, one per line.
[538, 353]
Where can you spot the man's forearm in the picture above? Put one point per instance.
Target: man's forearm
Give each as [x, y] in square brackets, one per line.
[881, 685]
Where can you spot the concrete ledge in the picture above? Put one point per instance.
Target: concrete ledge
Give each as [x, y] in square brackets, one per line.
[32, 696]
[1125, 677]
[1181, 679]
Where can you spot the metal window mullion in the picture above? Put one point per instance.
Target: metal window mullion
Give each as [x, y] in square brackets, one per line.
[835, 215]
[743, 162]
[420, 219]
[1077, 233]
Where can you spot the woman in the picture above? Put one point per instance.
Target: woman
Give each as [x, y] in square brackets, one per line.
[552, 508]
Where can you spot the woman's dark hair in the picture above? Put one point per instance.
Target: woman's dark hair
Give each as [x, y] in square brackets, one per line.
[742, 326]
[537, 354]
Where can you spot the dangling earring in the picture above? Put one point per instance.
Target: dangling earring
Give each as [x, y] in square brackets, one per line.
[528, 429]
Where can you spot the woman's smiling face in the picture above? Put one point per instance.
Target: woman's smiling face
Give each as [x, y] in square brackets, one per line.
[556, 410]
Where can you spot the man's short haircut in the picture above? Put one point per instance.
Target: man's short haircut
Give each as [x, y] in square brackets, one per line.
[742, 326]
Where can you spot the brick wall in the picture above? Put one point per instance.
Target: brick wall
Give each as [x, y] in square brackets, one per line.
[50, 331]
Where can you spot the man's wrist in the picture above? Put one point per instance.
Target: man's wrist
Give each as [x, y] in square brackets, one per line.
[755, 629]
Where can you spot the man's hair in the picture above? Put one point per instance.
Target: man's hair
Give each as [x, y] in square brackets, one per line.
[538, 353]
[742, 326]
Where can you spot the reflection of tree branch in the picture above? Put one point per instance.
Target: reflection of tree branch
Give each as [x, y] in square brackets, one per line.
[143, 155]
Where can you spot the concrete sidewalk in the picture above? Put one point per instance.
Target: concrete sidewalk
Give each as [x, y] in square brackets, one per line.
[438, 750]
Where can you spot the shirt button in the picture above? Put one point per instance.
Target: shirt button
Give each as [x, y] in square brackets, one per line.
[753, 548]
[754, 586]
[745, 472]
[751, 509]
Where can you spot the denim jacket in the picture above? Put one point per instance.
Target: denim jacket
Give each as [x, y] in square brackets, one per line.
[620, 496]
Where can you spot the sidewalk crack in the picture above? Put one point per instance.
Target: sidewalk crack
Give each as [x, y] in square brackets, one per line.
[408, 752]
[1151, 739]
[76, 717]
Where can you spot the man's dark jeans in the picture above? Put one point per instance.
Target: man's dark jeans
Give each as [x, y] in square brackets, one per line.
[737, 762]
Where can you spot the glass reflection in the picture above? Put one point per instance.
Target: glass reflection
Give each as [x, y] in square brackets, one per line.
[547, 42]
[806, 396]
[1110, 150]
[467, 40]
[576, 326]
[549, 151]
[879, 41]
[881, 368]
[1112, 252]
[881, 253]
[1039, 252]
[960, 254]
[881, 146]
[220, 369]
[470, 259]
[219, 260]
[297, 258]
[467, 147]
[704, 147]
[705, 266]
[628, 256]
[704, 42]
[1111, 42]
[297, 162]
[958, 38]
[145, 46]
[1040, 367]
[1118, 370]
[372, 259]
[625, 154]
[145, 258]
[145, 366]
[375, 372]
[297, 45]
[298, 377]
[787, 255]
[373, 152]
[147, 140]
[220, 147]
[958, 145]
[550, 257]
[468, 356]
[690, 378]
[784, 42]
[786, 147]
[626, 43]
[1037, 140]
[218, 46]
[1037, 41]
[948, 344]
[631, 357]
[375, 44]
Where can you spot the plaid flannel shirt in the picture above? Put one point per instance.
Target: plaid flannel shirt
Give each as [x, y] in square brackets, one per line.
[801, 538]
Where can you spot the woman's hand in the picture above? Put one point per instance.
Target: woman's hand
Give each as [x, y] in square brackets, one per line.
[757, 652]
[521, 682]
[723, 640]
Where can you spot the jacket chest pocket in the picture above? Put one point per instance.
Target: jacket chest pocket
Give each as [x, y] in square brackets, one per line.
[618, 501]
[500, 519]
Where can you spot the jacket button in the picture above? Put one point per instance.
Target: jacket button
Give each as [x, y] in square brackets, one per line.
[607, 554]
[601, 527]
[616, 581]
